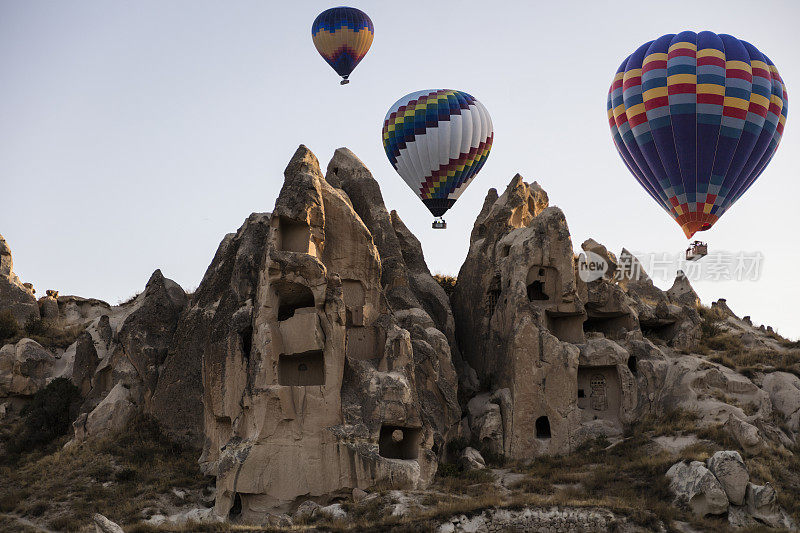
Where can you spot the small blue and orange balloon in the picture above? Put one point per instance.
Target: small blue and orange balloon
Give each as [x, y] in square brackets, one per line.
[697, 118]
[342, 36]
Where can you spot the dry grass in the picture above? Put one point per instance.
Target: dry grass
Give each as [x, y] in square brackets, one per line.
[119, 477]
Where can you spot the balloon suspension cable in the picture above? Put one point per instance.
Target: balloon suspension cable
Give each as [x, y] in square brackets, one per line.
[439, 223]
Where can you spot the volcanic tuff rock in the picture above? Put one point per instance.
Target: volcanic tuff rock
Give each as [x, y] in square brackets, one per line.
[332, 374]
[14, 295]
[318, 357]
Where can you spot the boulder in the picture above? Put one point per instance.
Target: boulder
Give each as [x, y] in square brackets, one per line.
[695, 485]
[746, 434]
[761, 504]
[25, 368]
[307, 509]
[728, 467]
[104, 525]
[111, 415]
[784, 392]
[471, 459]
[486, 422]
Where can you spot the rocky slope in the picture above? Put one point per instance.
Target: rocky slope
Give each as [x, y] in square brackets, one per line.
[326, 378]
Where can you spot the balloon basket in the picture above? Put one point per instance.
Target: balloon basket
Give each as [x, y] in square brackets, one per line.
[344, 82]
[439, 223]
[696, 250]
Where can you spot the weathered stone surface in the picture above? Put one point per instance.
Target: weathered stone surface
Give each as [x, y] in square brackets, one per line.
[682, 292]
[104, 525]
[784, 391]
[216, 321]
[111, 415]
[14, 295]
[147, 332]
[591, 245]
[85, 363]
[471, 459]
[746, 434]
[24, 368]
[520, 321]
[728, 467]
[77, 310]
[694, 484]
[324, 370]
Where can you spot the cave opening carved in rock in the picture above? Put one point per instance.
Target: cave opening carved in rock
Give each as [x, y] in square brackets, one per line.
[632, 362]
[543, 284]
[301, 369]
[543, 427]
[398, 442]
[291, 297]
[612, 327]
[657, 330]
[295, 236]
[236, 508]
[566, 327]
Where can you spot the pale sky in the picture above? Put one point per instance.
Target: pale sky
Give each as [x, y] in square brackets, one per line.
[134, 135]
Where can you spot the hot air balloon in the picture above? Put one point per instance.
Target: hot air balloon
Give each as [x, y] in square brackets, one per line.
[696, 118]
[342, 36]
[437, 140]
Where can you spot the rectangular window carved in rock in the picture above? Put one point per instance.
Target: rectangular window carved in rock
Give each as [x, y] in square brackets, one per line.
[291, 297]
[294, 236]
[301, 370]
[398, 442]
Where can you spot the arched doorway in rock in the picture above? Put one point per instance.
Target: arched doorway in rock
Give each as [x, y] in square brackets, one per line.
[542, 427]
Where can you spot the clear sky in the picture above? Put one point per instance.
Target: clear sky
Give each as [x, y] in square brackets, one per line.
[135, 134]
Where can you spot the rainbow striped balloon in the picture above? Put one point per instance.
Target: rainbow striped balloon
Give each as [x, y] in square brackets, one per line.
[696, 118]
[342, 36]
[437, 140]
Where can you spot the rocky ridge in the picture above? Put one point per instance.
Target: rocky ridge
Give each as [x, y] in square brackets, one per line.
[319, 357]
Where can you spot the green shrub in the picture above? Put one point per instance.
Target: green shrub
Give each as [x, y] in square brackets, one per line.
[455, 446]
[8, 325]
[35, 326]
[48, 416]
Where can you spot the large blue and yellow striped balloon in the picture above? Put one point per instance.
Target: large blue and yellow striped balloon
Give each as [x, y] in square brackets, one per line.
[696, 118]
[342, 36]
[437, 140]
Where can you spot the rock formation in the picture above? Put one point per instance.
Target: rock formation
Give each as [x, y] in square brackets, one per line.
[319, 359]
[722, 485]
[14, 295]
[538, 336]
[330, 373]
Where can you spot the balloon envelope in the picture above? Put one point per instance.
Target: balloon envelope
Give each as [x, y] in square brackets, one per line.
[437, 140]
[342, 36]
[696, 118]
